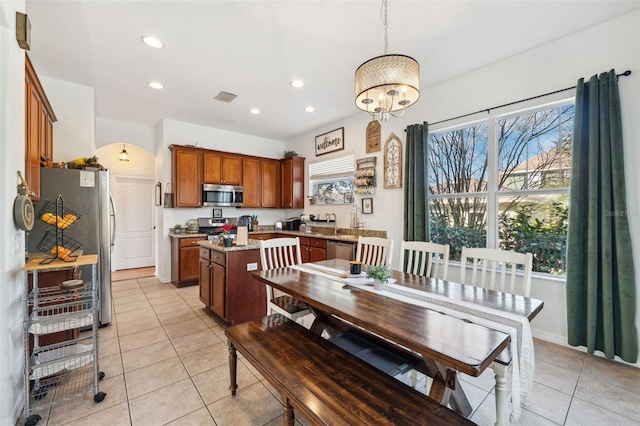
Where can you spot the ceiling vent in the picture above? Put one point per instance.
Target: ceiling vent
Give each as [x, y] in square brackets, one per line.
[225, 97]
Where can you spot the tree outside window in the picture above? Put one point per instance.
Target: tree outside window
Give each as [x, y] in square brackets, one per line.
[520, 204]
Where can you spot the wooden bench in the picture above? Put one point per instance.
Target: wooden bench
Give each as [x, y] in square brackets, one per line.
[328, 385]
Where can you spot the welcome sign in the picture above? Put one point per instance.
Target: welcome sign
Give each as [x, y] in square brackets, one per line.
[330, 141]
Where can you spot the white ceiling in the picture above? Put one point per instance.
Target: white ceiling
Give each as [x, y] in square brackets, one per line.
[255, 48]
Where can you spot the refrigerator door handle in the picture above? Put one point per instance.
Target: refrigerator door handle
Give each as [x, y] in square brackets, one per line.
[113, 219]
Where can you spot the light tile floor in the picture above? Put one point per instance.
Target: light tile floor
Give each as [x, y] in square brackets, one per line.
[165, 360]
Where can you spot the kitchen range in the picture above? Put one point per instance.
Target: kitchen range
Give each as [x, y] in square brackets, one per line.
[211, 226]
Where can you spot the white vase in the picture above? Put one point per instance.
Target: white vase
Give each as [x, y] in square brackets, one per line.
[378, 284]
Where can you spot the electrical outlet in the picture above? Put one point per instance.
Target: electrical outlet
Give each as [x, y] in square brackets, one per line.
[252, 266]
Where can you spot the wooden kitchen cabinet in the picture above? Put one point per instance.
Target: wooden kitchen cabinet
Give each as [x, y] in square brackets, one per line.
[304, 249]
[261, 179]
[292, 183]
[317, 249]
[222, 168]
[227, 287]
[39, 119]
[186, 174]
[184, 261]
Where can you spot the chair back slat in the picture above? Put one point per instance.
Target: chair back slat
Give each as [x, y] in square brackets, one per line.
[424, 258]
[279, 253]
[373, 251]
[494, 261]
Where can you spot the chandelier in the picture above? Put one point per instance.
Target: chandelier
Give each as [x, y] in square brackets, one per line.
[387, 85]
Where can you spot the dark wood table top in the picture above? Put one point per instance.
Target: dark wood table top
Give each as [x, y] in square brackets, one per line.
[455, 343]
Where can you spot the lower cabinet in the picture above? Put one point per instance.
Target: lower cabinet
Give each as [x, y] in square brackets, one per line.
[184, 261]
[227, 287]
[317, 249]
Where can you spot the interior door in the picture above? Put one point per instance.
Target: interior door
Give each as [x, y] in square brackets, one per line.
[135, 239]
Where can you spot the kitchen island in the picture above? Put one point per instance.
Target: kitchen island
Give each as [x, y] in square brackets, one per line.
[226, 285]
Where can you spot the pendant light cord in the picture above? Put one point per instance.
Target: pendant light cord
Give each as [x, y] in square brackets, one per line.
[384, 21]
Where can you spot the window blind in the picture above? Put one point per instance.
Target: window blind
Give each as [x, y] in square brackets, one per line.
[338, 166]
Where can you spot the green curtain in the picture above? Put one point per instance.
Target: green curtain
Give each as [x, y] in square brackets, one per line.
[416, 202]
[601, 295]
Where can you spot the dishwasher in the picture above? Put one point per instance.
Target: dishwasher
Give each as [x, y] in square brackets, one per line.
[341, 250]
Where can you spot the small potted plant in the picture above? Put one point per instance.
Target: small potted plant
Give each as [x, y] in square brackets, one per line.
[380, 275]
[177, 229]
[225, 234]
[288, 154]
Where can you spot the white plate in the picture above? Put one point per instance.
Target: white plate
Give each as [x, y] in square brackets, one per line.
[391, 280]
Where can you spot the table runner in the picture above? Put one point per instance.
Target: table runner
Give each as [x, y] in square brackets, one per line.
[517, 327]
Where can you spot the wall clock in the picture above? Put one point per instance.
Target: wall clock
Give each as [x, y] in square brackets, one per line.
[393, 162]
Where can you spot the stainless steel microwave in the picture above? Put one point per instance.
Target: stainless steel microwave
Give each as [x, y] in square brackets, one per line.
[221, 195]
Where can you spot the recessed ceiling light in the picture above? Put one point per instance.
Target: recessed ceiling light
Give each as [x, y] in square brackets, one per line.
[297, 84]
[156, 85]
[254, 111]
[309, 109]
[152, 42]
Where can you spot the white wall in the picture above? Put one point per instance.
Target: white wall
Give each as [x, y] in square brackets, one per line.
[556, 65]
[109, 131]
[180, 133]
[73, 133]
[11, 259]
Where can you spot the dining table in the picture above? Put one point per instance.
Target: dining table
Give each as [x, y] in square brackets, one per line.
[440, 344]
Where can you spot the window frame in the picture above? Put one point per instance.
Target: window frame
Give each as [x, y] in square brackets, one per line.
[492, 194]
[342, 174]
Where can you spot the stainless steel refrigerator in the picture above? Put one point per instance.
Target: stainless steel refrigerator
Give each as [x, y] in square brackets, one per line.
[87, 193]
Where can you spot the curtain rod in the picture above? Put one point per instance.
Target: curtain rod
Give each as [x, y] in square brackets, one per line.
[488, 110]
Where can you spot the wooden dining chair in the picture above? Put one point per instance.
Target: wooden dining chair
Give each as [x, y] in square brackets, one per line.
[280, 253]
[374, 251]
[487, 263]
[424, 258]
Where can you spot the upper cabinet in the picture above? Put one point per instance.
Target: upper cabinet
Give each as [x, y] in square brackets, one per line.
[292, 183]
[267, 182]
[261, 179]
[222, 168]
[186, 176]
[39, 119]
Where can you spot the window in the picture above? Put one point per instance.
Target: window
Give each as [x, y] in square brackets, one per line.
[504, 183]
[331, 181]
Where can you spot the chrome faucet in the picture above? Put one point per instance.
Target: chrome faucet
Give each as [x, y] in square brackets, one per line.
[335, 223]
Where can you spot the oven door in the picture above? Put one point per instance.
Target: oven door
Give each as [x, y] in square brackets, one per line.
[221, 195]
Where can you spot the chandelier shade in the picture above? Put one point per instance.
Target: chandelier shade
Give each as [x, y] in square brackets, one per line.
[387, 83]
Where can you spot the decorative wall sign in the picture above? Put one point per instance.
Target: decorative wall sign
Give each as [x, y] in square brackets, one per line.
[330, 141]
[373, 136]
[367, 205]
[393, 162]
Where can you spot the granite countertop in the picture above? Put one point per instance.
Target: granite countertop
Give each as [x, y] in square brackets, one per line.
[214, 245]
[187, 235]
[345, 235]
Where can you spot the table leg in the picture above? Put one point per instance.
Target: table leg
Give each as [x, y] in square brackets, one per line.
[288, 417]
[233, 363]
[501, 392]
[446, 388]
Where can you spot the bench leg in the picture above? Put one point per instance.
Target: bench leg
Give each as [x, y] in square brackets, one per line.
[501, 392]
[233, 367]
[288, 417]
